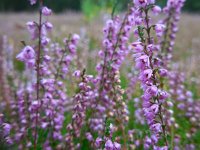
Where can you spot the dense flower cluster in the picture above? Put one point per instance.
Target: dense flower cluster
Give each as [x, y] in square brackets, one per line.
[172, 11]
[114, 51]
[184, 98]
[82, 101]
[150, 71]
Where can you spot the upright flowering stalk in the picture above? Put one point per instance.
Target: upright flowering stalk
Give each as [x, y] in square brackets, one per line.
[103, 102]
[5, 90]
[32, 59]
[150, 71]
[184, 103]
[8, 80]
[109, 101]
[82, 101]
[172, 11]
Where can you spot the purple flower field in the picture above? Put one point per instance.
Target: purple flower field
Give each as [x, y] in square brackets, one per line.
[122, 81]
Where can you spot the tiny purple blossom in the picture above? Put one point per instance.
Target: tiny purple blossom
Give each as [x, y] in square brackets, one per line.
[140, 3]
[32, 2]
[75, 38]
[155, 108]
[142, 61]
[156, 127]
[98, 142]
[27, 55]
[159, 28]
[6, 128]
[109, 145]
[163, 72]
[156, 10]
[152, 90]
[89, 136]
[146, 74]
[48, 26]
[138, 47]
[31, 25]
[163, 95]
[117, 146]
[46, 11]
[77, 73]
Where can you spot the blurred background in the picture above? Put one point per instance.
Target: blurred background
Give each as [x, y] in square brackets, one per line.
[80, 5]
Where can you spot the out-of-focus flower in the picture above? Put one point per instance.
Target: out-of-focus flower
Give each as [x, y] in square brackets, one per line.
[109, 145]
[46, 11]
[27, 55]
[32, 2]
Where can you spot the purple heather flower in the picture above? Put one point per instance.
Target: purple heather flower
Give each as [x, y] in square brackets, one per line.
[142, 3]
[44, 125]
[98, 142]
[154, 138]
[27, 55]
[47, 58]
[147, 143]
[107, 43]
[31, 25]
[146, 74]
[138, 47]
[138, 20]
[159, 28]
[29, 144]
[9, 140]
[156, 10]
[89, 136]
[155, 108]
[152, 47]
[77, 73]
[163, 95]
[6, 129]
[45, 41]
[156, 127]
[160, 148]
[67, 60]
[142, 62]
[35, 104]
[48, 26]
[152, 90]
[32, 2]
[117, 146]
[46, 11]
[72, 48]
[75, 38]
[163, 72]
[33, 29]
[150, 1]
[109, 145]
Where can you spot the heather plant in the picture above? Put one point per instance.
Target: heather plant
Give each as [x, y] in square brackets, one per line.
[50, 100]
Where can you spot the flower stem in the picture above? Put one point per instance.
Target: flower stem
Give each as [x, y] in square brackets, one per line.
[38, 72]
[148, 29]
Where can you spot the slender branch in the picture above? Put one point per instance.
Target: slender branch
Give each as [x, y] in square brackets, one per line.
[38, 72]
[148, 29]
[166, 32]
